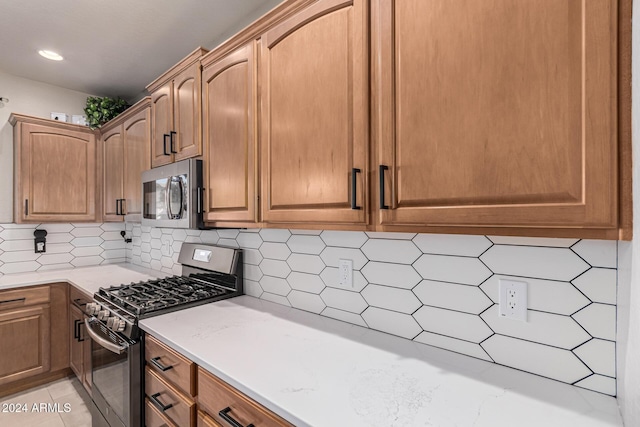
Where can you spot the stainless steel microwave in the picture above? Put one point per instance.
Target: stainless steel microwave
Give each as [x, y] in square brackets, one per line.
[172, 195]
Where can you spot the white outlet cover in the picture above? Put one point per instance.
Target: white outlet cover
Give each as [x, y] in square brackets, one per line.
[513, 300]
[345, 273]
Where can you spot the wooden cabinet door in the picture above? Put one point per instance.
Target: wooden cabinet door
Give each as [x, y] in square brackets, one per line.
[76, 347]
[26, 332]
[314, 86]
[162, 115]
[112, 154]
[137, 133]
[229, 90]
[497, 113]
[57, 175]
[187, 95]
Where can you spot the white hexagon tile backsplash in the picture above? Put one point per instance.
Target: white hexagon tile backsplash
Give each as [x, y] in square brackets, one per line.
[439, 290]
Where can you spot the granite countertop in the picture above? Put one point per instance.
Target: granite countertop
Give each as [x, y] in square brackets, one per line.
[89, 279]
[315, 371]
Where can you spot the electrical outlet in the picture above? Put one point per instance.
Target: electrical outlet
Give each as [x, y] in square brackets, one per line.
[345, 272]
[513, 300]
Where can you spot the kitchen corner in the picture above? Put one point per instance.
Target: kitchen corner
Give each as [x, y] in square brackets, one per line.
[363, 213]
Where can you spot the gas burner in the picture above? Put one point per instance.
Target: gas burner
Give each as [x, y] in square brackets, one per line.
[198, 285]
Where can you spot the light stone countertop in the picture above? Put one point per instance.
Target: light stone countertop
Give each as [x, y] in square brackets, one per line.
[89, 279]
[316, 371]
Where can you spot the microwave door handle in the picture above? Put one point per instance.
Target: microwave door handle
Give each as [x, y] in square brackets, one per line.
[182, 198]
[167, 197]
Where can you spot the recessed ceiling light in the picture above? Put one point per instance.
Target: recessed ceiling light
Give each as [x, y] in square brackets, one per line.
[50, 55]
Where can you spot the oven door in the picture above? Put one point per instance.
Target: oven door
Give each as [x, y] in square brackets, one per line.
[116, 369]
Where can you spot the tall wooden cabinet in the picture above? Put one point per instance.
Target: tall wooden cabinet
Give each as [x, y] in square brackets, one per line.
[176, 112]
[55, 171]
[229, 128]
[498, 113]
[126, 154]
[314, 119]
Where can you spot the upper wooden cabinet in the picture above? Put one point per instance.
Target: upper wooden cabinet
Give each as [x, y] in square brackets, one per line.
[229, 110]
[176, 112]
[498, 114]
[126, 143]
[55, 171]
[314, 118]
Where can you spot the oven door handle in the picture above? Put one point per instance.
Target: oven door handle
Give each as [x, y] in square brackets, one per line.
[115, 348]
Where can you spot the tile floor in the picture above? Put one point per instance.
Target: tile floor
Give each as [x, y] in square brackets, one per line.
[67, 393]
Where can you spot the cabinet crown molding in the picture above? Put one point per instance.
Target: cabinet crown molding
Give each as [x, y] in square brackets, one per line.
[23, 118]
[182, 65]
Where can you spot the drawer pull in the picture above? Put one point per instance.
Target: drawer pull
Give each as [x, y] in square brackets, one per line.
[159, 365]
[224, 414]
[13, 300]
[162, 407]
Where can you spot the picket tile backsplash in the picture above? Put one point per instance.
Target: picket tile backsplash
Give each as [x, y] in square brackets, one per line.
[440, 290]
[68, 246]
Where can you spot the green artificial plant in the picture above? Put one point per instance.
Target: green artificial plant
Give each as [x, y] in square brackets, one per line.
[100, 110]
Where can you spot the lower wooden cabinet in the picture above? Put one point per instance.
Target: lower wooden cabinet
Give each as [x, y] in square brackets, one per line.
[79, 341]
[26, 330]
[174, 405]
[174, 384]
[224, 404]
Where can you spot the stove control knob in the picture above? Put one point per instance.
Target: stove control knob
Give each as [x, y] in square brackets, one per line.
[110, 322]
[118, 325]
[103, 314]
[89, 309]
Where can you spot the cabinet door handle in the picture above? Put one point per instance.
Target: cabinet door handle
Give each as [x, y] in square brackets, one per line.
[224, 414]
[159, 365]
[120, 203]
[164, 144]
[172, 145]
[354, 188]
[162, 407]
[381, 170]
[76, 329]
[26, 207]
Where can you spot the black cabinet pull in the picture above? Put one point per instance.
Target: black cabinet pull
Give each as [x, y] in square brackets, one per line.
[159, 365]
[164, 144]
[26, 207]
[120, 207]
[224, 414]
[354, 188]
[381, 175]
[76, 329]
[162, 407]
[172, 145]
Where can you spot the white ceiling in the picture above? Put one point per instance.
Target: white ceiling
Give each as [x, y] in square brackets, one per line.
[114, 47]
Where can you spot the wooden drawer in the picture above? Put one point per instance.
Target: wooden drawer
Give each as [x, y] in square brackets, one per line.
[181, 372]
[154, 418]
[182, 410]
[214, 395]
[79, 294]
[204, 420]
[24, 296]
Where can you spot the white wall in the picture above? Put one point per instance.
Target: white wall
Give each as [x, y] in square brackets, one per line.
[629, 271]
[35, 99]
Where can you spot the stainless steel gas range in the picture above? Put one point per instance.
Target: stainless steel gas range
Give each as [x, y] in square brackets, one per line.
[209, 273]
